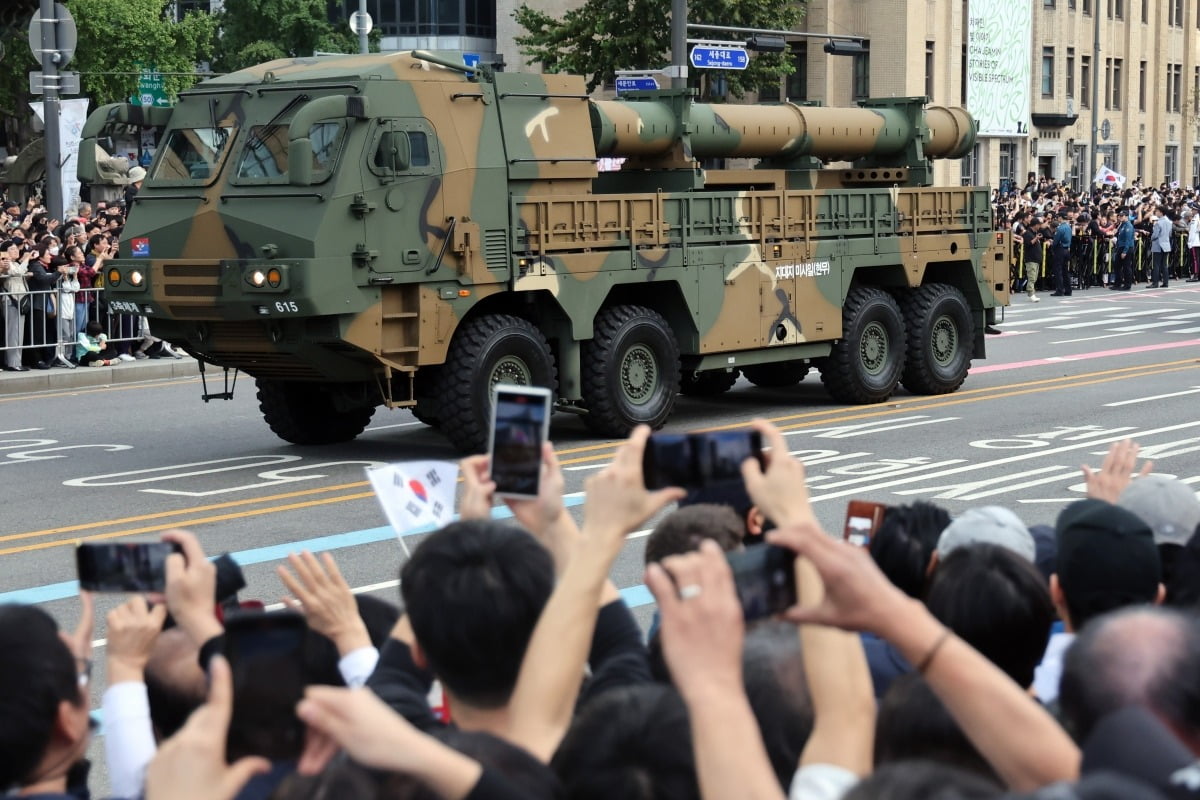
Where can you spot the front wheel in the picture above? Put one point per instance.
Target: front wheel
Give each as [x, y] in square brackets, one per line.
[488, 350]
[304, 413]
[940, 337]
[864, 365]
[630, 371]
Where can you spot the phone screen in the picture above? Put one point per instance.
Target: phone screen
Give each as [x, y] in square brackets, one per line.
[697, 460]
[765, 578]
[863, 519]
[520, 423]
[667, 461]
[123, 566]
[265, 652]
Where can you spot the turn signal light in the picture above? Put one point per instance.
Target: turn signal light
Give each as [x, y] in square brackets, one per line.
[114, 277]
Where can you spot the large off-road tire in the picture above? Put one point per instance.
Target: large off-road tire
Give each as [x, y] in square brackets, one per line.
[776, 376]
[426, 409]
[492, 349]
[630, 371]
[941, 336]
[304, 413]
[708, 383]
[865, 364]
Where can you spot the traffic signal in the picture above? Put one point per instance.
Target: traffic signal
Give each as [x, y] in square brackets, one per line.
[767, 44]
[844, 47]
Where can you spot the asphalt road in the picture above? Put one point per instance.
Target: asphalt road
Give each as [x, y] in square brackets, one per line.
[1067, 377]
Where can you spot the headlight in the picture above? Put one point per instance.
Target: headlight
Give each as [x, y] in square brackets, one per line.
[257, 279]
[136, 278]
[114, 277]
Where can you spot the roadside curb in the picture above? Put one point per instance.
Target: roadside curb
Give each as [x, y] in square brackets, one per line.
[59, 379]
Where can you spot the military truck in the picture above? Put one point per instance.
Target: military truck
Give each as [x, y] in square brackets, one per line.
[402, 230]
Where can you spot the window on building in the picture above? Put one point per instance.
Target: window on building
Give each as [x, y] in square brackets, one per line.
[1174, 88]
[474, 18]
[1171, 163]
[1047, 72]
[1085, 81]
[1175, 13]
[1145, 11]
[1141, 162]
[1196, 166]
[1118, 63]
[1087, 7]
[963, 75]
[1071, 5]
[797, 82]
[1108, 81]
[1048, 3]
[929, 70]
[1070, 72]
[862, 74]
[1008, 162]
[1142, 86]
[1120, 6]
[970, 167]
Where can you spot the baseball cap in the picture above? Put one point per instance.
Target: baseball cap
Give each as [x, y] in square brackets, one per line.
[1106, 557]
[1132, 742]
[137, 174]
[1168, 505]
[987, 525]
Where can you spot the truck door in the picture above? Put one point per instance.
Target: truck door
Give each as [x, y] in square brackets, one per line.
[401, 181]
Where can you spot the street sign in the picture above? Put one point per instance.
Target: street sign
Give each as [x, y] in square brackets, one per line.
[636, 84]
[471, 60]
[65, 34]
[361, 23]
[151, 89]
[715, 57]
[68, 83]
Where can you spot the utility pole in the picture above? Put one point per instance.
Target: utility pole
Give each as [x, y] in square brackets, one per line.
[50, 58]
[1095, 93]
[679, 54]
[363, 30]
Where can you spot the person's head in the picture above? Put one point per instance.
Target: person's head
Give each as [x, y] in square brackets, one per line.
[137, 175]
[1168, 505]
[914, 724]
[94, 329]
[734, 495]
[474, 591]
[633, 742]
[905, 542]
[175, 684]
[987, 525]
[1144, 656]
[682, 530]
[43, 701]
[85, 210]
[773, 674]
[74, 255]
[998, 603]
[922, 780]
[1106, 559]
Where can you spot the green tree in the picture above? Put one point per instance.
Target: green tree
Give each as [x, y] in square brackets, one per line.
[117, 37]
[603, 36]
[254, 31]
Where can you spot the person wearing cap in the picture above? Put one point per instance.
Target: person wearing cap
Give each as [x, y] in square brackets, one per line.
[1060, 252]
[1106, 560]
[986, 525]
[1160, 246]
[1123, 277]
[1031, 252]
[136, 176]
[1169, 506]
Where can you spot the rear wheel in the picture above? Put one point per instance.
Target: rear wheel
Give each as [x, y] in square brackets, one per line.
[708, 383]
[865, 364]
[940, 338]
[424, 390]
[304, 413]
[776, 376]
[630, 371]
[492, 349]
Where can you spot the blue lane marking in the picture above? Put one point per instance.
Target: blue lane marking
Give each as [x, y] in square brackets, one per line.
[275, 552]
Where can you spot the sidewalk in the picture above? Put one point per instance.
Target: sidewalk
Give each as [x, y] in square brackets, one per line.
[59, 378]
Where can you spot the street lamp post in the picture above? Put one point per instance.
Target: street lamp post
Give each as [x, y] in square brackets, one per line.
[1095, 92]
[50, 59]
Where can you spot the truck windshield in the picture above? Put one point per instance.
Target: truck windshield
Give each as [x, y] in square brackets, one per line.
[192, 154]
[265, 154]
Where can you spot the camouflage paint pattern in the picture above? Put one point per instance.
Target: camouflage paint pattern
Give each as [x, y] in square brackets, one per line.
[369, 265]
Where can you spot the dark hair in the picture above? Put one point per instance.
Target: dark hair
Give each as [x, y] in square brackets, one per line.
[37, 673]
[474, 591]
[773, 674]
[633, 742]
[905, 541]
[1143, 655]
[922, 780]
[998, 603]
[914, 724]
[683, 529]
[94, 328]
[175, 683]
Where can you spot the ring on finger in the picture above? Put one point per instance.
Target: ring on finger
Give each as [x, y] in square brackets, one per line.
[689, 591]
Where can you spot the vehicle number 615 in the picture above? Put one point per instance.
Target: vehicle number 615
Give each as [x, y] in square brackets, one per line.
[286, 306]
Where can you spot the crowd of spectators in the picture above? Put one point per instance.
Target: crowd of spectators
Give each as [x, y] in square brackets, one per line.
[1160, 244]
[51, 276]
[948, 658]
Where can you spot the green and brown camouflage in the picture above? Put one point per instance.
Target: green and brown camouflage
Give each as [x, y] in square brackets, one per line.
[400, 230]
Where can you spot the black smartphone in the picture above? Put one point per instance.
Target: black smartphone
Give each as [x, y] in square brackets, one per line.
[520, 424]
[699, 460]
[765, 577]
[123, 566]
[265, 651]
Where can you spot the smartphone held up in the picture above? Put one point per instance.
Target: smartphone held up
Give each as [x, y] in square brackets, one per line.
[699, 460]
[123, 566]
[765, 578]
[520, 425]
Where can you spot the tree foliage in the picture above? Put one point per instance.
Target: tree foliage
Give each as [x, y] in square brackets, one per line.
[603, 36]
[254, 31]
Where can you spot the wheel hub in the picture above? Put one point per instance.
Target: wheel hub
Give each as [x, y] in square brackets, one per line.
[873, 348]
[639, 374]
[944, 341]
[511, 370]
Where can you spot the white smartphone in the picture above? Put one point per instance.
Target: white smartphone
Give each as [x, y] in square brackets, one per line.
[520, 423]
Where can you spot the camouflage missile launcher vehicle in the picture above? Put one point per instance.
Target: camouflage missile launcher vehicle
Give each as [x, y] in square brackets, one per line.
[398, 230]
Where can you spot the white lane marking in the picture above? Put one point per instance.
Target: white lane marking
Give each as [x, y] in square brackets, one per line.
[397, 425]
[1186, 330]
[1192, 315]
[1038, 321]
[1094, 338]
[1193, 390]
[1094, 323]
[1143, 326]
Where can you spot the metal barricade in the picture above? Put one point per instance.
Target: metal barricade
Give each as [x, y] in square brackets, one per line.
[42, 325]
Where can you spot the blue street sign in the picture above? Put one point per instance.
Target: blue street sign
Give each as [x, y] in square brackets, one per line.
[720, 57]
[471, 60]
[636, 84]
